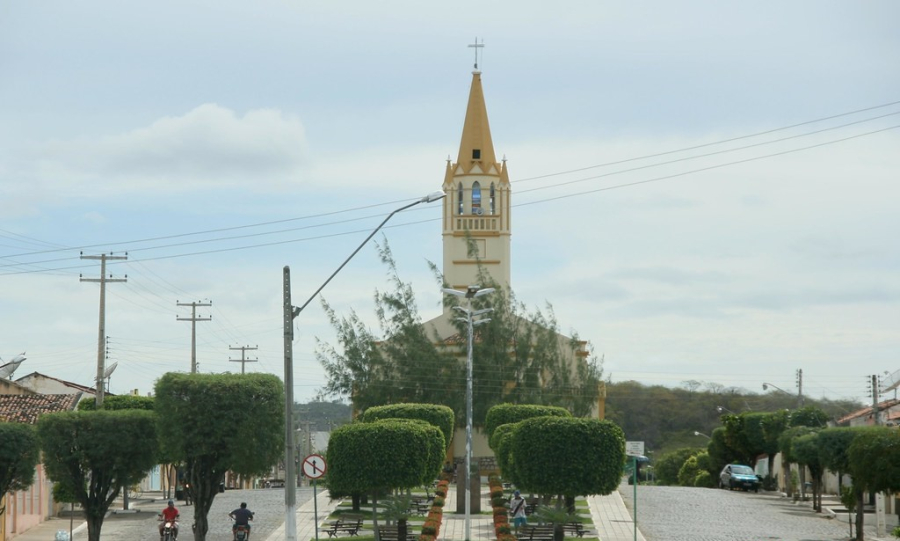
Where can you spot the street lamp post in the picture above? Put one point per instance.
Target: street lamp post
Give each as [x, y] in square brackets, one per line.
[766, 386]
[701, 434]
[470, 293]
[290, 313]
[720, 409]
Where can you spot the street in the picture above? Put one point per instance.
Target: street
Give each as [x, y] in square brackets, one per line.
[704, 514]
[267, 504]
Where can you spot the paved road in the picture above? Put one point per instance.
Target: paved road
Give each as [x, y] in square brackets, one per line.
[703, 514]
[267, 504]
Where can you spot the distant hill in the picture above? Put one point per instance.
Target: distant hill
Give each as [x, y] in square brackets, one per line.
[323, 416]
[666, 418]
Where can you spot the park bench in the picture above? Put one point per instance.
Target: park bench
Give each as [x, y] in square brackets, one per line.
[576, 529]
[390, 533]
[535, 533]
[350, 527]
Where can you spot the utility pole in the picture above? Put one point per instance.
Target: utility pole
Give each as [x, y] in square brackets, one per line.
[243, 358]
[879, 497]
[101, 358]
[193, 319]
[800, 386]
[290, 476]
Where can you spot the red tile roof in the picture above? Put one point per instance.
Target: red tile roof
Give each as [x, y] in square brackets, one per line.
[27, 408]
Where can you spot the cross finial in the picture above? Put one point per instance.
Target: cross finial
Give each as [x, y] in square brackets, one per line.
[477, 46]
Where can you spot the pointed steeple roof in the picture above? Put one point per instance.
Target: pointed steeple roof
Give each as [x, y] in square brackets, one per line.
[476, 147]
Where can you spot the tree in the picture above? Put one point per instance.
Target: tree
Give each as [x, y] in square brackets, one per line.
[588, 454]
[668, 465]
[433, 414]
[92, 454]
[875, 464]
[720, 453]
[773, 424]
[805, 449]
[213, 423]
[502, 414]
[120, 402]
[370, 458]
[518, 356]
[834, 448]
[19, 454]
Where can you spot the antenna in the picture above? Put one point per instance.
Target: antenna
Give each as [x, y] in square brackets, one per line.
[6, 370]
[110, 369]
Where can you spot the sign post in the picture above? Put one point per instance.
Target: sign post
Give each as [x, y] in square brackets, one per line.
[634, 449]
[314, 467]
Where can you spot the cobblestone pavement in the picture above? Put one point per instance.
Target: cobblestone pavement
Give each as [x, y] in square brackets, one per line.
[267, 504]
[704, 514]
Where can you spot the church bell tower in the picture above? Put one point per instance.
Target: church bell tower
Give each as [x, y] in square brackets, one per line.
[476, 219]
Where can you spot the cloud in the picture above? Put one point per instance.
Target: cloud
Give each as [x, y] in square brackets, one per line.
[209, 146]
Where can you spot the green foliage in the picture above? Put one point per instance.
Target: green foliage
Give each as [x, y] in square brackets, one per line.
[834, 445]
[502, 414]
[518, 357]
[503, 451]
[694, 471]
[94, 453]
[119, 402]
[721, 453]
[786, 441]
[875, 460]
[367, 457]
[213, 423]
[704, 479]
[19, 454]
[810, 416]
[588, 454]
[434, 414]
[668, 465]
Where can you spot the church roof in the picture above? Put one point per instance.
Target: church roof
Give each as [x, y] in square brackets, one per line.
[476, 132]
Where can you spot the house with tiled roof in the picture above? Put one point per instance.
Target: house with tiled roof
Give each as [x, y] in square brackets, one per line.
[888, 414]
[28, 508]
[8, 387]
[44, 384]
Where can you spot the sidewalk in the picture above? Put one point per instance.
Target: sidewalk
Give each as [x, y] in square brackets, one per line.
[309, 516]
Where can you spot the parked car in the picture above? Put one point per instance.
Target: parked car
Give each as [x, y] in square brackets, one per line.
[739, 476]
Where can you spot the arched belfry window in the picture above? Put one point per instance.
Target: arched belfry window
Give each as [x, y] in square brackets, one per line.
[493, 200]
[476, 198]
[459, 199]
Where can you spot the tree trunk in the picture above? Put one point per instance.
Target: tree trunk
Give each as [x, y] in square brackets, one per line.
[401, 529]
[203, 492]
[375, 516]
[770, 462]
[860, 501]
[94, 525]
[355, 498]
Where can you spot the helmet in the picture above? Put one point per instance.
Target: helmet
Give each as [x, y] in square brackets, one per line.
[171, 502]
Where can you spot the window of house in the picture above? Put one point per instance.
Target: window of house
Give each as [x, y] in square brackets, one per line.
[459, 199]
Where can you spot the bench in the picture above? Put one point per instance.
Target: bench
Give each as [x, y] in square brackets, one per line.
[350, 527]
[535, 533]
[575, 528]
[390, 533]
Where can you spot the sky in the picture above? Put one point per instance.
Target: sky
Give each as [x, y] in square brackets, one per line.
[703, 190]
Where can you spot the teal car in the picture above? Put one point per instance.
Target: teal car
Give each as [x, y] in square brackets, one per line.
[739, 476]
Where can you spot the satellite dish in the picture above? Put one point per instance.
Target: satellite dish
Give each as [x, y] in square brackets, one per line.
[6, 370]
[110, 369]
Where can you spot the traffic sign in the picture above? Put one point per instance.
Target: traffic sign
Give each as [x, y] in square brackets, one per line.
[314, 466]
[634, 448]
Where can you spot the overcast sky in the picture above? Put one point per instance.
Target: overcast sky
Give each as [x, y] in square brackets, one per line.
[704, 190]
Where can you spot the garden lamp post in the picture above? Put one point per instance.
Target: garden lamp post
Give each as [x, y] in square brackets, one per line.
[470, 293]
[290, 313]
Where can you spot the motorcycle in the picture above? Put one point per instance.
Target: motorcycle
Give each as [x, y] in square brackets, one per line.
[168, 531]
[241, 533]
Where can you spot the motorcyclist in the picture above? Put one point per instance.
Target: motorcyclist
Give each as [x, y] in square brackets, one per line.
[241, 517]
[169, 514]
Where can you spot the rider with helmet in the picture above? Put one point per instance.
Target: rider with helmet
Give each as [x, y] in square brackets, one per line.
[242, 517]
[169, 514]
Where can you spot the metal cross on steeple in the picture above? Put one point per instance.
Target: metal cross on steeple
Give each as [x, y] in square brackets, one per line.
[477, 46]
